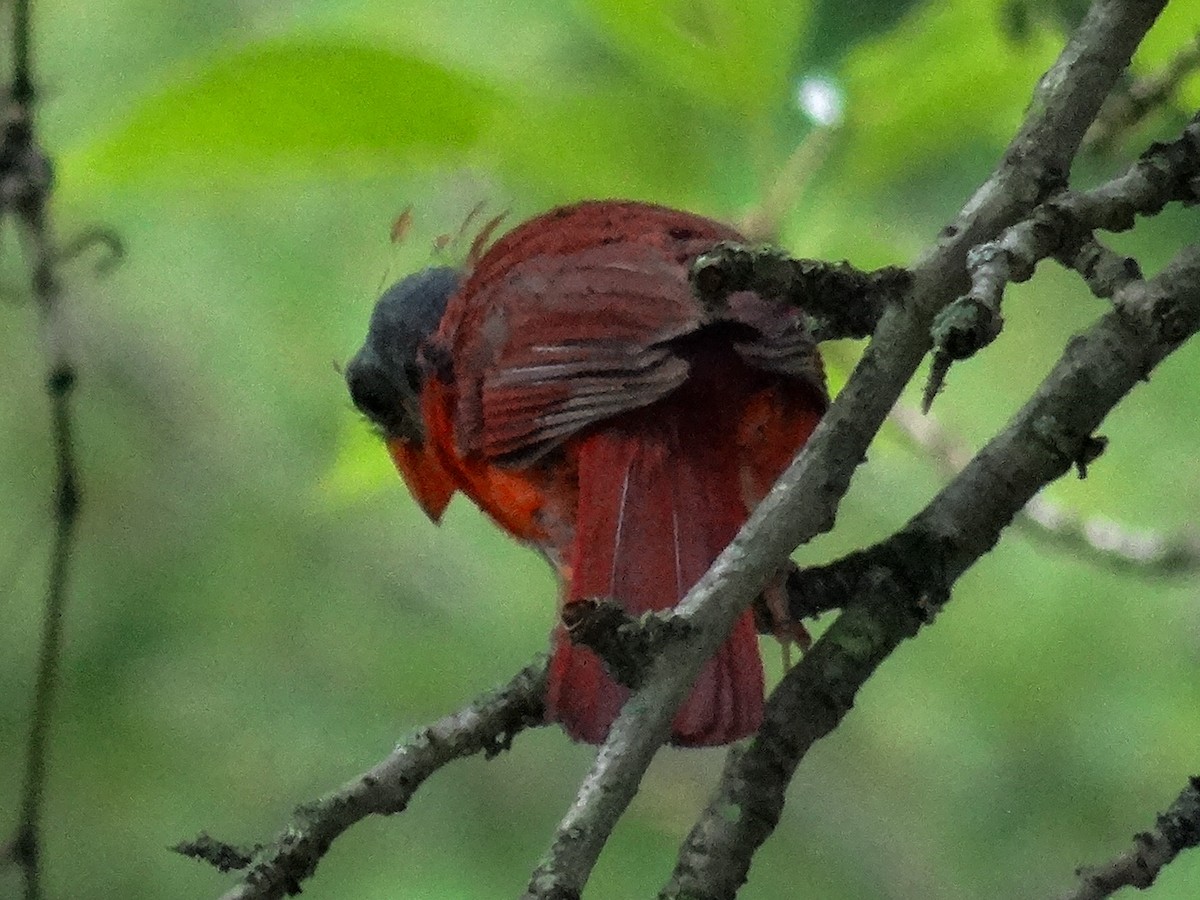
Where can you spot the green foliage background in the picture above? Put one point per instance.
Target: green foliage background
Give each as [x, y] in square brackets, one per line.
[259, 611]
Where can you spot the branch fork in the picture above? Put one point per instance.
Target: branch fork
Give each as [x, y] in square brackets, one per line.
[1063, 228]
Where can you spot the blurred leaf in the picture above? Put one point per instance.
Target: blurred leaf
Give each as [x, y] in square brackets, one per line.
[291, 107]
[834, 32]
[737, 55]
[613, 141]
[950, 74]
[548, 48]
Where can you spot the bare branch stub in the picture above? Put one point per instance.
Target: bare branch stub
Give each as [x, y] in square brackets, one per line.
[1174, 831]
[1102, 270]
[221, 856]
[840, 300]
[805, 600]
[963, 328]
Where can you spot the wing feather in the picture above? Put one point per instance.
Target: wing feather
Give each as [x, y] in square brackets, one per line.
[577, 316]
[559, 344]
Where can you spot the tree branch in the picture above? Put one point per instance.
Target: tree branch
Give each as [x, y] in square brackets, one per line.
[896, 586]
[1112, 544]
[1102, 270]
[1062, 228]
[805, 500]
[840, 300]
[221, 856]
[487, 725]
[1175, 830]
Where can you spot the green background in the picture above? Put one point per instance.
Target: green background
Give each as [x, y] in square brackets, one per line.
[258, 609]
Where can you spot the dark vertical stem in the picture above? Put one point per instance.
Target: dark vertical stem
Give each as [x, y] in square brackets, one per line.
[28, 845]
[22, 82]
[27, 170]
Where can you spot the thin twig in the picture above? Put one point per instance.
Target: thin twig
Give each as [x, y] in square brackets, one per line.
[487, 725]
[1174, 831]
[1125, 108]
[22, 83]
[762, 223]
[105, 238]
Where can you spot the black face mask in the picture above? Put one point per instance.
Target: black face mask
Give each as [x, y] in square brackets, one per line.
[385, 376]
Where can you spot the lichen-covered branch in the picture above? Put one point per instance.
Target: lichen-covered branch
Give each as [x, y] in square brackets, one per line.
[840, 300]
[1174, 831]
[805, 500]
[896, 586]
[487, 725]
[1062, 227]
[626, 643]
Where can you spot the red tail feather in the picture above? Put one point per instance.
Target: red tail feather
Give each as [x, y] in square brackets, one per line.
[660, 496]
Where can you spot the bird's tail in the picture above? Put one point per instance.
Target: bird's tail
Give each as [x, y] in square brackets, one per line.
[660, 496]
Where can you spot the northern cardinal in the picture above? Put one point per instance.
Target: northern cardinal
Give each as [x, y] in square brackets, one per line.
[572, 385]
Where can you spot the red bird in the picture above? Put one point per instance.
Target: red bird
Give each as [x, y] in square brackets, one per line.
[573, 386]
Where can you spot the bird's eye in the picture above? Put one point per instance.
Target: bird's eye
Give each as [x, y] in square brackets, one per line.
[412, 374]
[371, 391]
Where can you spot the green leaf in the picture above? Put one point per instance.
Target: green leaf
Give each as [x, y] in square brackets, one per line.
[612, 141]
[737, 54]
[290, 107]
